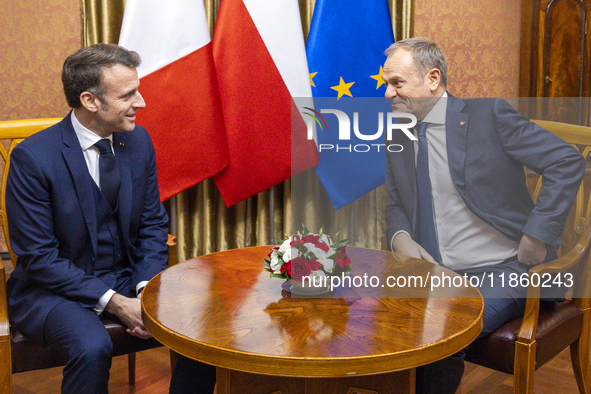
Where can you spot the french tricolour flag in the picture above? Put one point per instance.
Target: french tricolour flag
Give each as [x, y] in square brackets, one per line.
[260, 58]
[178, 82]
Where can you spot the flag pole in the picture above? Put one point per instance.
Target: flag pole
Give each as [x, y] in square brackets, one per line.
[272, 216]
[352, 224]
[172, 225]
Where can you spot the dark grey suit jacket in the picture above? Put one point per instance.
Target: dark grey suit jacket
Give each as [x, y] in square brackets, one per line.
[488, 143]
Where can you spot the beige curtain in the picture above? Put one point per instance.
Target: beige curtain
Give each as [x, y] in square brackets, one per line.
[101, 21]
[205, 225]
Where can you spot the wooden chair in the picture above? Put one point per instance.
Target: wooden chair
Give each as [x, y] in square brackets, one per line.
[522, 346]
[17, 352]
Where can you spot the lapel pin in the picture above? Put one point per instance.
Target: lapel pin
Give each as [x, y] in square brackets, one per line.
[462, 123]
[122, 144]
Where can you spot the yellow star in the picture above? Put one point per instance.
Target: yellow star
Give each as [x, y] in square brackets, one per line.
[379, 78]
[343, 88]
[312, 75]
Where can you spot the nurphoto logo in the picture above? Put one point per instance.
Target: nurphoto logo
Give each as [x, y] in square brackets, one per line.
[392, 120]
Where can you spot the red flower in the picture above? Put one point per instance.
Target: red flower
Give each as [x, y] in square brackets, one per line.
[322, 246]
[299, 268]
[343, 262]
[286, 268]
[310, 238]
[295, 240]
[314, 265]
[347, 259]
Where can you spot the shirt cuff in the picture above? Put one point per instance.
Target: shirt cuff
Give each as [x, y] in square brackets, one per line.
[103, 301]
[394, 236]
[140, 286]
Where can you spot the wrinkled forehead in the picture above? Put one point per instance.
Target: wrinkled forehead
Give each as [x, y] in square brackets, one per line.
[400, 63]
[120, 78]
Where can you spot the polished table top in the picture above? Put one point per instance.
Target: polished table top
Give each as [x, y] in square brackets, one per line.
[223, 309]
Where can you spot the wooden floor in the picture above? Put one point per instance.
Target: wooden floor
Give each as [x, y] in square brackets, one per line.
[153, 377]
[556, 377]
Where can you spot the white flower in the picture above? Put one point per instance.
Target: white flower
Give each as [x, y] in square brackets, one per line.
[322, 257]
[275, 263]
[327, 264]
[287, 254]
[317, 278]
[311, 247]
[324, 238]
[286, 245]
[320, 254]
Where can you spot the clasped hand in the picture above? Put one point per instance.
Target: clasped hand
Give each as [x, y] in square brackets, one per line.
[129, 311]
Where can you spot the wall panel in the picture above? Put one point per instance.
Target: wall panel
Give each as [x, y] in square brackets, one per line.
[480, 40]
[35, 38]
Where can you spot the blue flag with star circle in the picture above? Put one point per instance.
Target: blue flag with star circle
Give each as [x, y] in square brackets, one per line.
[345, 51]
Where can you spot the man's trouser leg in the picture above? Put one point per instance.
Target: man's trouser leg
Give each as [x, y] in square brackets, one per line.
[192, 377]
[501, 304]
[85, 341]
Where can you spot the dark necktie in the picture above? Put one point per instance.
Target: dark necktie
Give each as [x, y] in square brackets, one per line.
[425, 196]
[109, 173]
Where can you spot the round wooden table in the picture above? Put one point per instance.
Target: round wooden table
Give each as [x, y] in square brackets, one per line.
[224, 310]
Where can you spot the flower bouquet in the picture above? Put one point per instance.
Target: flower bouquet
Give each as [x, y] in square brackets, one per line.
[308, 260]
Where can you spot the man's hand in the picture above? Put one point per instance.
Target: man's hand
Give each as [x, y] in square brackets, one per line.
[531, 250]
[404, 244]
[129, 311]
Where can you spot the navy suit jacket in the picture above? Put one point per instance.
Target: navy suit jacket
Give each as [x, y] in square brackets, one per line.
[488, 143]
[53, 225]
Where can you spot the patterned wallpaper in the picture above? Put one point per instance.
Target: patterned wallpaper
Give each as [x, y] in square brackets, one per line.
[480, 40]
[35, 38]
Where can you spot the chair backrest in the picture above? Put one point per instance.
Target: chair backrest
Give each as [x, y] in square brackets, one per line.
[13, 132]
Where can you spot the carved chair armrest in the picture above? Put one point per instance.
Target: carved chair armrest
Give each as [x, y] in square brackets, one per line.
[172, 250]
[5, 350]
[4, 325]
[529, 325]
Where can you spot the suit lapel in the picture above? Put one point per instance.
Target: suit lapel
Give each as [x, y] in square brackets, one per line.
[83, 182]
[403, 164]
[125, 190]
[456, 132]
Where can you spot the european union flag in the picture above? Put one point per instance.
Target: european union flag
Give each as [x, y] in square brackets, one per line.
[345, 52]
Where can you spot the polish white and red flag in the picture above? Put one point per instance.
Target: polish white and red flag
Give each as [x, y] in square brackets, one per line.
[183, 113]
[260, 58]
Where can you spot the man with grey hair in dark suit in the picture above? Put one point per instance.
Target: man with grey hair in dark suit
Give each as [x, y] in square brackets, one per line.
[458, 195]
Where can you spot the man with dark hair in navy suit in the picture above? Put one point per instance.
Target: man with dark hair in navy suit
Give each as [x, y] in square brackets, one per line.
[458, 195]
[85, 218]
